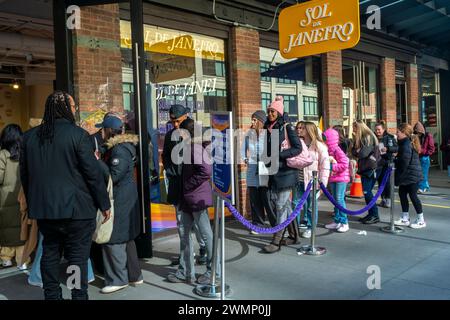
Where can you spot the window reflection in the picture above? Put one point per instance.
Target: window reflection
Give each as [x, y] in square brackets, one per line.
[296, 80]
[181, 68]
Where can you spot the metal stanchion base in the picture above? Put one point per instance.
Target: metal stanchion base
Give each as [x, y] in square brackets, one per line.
[393, 229]
[210, 291]
[312, 251]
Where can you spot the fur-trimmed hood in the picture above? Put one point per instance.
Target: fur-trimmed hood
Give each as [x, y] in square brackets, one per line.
[122, 138]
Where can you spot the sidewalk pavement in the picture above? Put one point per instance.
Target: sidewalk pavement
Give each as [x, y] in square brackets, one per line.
[413, 265]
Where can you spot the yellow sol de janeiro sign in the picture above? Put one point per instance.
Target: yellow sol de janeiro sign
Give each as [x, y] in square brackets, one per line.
[318, 26]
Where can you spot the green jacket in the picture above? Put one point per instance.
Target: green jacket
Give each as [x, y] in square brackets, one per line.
[9, 205]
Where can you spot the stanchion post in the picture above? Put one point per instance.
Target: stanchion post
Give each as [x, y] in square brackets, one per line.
[392, 228]
[314, 208]
[215, 241]
[223, 290]
[312, 249]
[212, 290]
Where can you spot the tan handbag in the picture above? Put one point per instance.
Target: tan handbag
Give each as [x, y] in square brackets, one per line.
[102, 233]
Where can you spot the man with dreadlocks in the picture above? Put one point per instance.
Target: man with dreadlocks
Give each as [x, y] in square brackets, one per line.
[64, 188]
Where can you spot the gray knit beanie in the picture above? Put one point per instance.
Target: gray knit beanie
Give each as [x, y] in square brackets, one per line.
[260, 115]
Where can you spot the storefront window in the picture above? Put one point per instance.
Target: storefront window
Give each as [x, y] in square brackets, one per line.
[430, 108]
[429, 99]
[296, 80]
[181, 68]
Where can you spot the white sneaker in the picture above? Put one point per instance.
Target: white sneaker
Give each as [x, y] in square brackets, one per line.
[401, 222]
[303, 225]
[421, 191]
[306, 234]
[111, 289]
[333, 226]
[22, 267]
[134, 283]
[253, 232]
[387, 203]
[36, 284]
[6, 263]
[343, 228]
[418, 224]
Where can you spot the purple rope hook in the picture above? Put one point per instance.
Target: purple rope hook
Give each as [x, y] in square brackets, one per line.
[277, 228]
[366, 208]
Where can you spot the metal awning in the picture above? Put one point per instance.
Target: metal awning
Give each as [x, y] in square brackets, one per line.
[423, 22]
[293, 70]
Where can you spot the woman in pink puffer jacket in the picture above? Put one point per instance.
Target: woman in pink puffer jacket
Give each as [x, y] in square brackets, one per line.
[338, 180]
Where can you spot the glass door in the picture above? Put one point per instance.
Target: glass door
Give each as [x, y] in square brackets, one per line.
[360, 82]
[400, 93]
[107, 72]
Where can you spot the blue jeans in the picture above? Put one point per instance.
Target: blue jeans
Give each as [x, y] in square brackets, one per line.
[425, 163]
[368, 183]
[338, 190]
[35, 273]
[297, 192]
[182, 265]
[188, 220]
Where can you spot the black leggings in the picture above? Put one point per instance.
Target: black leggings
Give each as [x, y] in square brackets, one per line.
[410, 189]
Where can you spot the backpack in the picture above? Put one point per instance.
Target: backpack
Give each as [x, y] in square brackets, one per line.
[299, 161]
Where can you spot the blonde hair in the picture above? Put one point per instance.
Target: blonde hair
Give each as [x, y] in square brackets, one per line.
[363, 135]
[407, 130]
[313, 132]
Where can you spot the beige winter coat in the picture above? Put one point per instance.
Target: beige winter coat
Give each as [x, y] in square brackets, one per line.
[10, 217]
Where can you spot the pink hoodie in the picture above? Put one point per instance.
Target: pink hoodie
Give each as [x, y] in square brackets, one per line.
[340, 170]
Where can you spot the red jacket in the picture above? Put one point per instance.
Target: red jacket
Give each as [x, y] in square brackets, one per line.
[427, 145]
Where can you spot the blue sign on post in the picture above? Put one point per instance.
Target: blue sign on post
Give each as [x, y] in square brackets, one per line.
[223, 155]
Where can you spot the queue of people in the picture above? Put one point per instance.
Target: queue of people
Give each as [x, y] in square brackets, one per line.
[56, 175]
[331, 153]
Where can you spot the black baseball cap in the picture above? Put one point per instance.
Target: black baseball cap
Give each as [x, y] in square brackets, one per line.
[177, 110]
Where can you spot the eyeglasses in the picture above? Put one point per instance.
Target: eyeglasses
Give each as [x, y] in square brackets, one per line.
[271, 111]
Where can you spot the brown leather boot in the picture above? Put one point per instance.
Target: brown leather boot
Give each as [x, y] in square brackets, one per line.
[275, 245]
[294, 236]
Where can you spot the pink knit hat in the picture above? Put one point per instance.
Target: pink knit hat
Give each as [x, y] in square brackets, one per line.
[277, 105]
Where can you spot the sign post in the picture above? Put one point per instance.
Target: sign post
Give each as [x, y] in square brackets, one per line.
[223, 190]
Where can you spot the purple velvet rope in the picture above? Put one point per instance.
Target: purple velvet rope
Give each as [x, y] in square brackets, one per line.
[277, 228]
[366, 208]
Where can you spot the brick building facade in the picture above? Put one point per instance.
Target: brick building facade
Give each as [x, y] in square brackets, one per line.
[97, 60]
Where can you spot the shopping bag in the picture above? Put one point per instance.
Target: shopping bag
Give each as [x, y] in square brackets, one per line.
[102, 233]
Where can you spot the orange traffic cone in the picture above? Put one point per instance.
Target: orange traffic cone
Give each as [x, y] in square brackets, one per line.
[356, 189]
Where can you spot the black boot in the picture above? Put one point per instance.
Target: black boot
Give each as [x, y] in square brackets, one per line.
[275, 245]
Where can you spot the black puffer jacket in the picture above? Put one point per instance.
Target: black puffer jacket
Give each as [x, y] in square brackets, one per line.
[367, 163]
[286, 177]
[407, 164]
